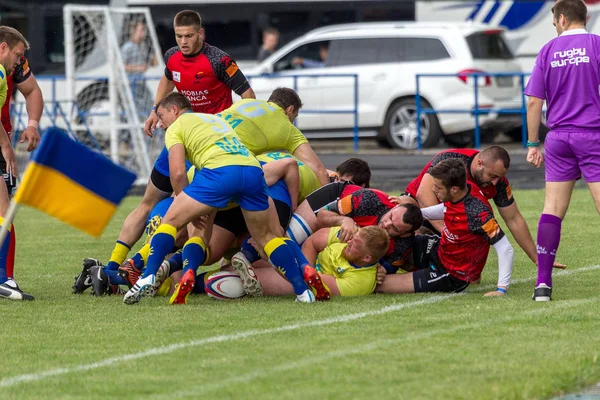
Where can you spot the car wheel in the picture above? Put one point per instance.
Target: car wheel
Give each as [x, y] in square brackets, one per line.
[400, 126]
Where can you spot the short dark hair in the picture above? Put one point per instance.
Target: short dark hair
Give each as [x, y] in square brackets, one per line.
[12, 37]
[175, 99]
[359, 169]
[495, 153]
[452, 172]
[270, 30]
[187, 18]
[285, 97]
[413, 216]
[573, 10]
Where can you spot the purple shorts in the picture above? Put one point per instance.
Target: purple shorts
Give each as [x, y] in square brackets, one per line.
[571, 154]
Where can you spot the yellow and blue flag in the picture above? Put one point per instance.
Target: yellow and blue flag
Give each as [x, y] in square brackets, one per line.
[73, 183]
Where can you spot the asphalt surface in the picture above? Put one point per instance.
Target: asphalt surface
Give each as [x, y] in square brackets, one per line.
[392, 170]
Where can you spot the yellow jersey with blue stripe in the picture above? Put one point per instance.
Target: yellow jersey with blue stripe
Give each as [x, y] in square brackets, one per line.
[263, 126]
[3, 86]
[209, 142]
[308, 180]
[351, 279]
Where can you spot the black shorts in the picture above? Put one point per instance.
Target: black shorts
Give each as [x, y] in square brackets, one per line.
[162, 182]
[10, 181]
[423, 247]
[325, 195]
[232, 220]
[437, 279]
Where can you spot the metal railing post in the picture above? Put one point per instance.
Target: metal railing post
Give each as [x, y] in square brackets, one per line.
[418, 106]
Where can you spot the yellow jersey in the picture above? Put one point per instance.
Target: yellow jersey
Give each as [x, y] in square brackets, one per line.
[3, 86]
[308, 180]
[263, 126]
[209, 142]
[352, 280]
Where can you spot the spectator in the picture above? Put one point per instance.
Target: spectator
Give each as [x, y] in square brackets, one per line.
[270, 40]
[308, 63]
[137, 57]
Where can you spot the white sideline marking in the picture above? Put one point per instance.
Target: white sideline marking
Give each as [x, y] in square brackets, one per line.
[33, 377]
[308, 361]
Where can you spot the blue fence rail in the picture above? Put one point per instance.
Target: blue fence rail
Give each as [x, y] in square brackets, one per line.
[65, 111]
[476, 111]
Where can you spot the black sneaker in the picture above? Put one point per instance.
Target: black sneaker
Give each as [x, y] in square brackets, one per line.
[10, 290]
[542, 292]
[83, 280]
[100, 284]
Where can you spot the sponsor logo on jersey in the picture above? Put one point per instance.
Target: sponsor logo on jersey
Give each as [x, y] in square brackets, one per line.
[176, 76]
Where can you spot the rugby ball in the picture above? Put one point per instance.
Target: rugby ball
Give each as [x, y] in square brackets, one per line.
[224, 285]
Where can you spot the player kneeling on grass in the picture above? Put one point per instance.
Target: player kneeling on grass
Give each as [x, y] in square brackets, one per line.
[227, 170]
[469, 230]
[346, 269]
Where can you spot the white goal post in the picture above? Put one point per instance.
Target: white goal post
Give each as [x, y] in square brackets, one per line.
[113, 63]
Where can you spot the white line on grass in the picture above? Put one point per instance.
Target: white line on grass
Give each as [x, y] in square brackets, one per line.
[38, 376]
[341, 353]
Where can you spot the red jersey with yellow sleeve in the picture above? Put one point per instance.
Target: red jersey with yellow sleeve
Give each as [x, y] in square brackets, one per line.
[19, 75]
[469, 230]
[205, 78]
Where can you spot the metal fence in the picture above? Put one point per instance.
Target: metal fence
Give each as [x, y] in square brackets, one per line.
[476, 111]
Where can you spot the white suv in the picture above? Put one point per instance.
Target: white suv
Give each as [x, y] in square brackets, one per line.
[386, 57]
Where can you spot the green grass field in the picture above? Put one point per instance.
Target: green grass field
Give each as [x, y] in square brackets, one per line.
[64, 346]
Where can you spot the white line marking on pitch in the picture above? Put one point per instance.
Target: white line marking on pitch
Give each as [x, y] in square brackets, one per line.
[318, 360]
[38, 376]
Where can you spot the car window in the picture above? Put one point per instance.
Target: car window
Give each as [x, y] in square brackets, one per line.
[308, 55]
[489, 46]
[384, 50]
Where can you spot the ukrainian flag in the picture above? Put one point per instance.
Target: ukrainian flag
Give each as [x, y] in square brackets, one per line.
[73, 183]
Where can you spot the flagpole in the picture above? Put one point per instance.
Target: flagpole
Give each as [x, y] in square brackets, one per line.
[8, 219]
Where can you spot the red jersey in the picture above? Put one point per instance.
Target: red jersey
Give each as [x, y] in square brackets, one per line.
[366, 207]
[205, 78]
[501, 192]
[19, 75]
[469, 230]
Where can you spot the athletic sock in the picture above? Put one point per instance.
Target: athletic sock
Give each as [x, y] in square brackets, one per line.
[162, 242]
[282, 257]
[548, 239]
[118, 255]
[194, 254]
[4, 247]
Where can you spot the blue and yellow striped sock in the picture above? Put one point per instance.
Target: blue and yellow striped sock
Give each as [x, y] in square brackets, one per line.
[4, 253]
[194, 254]
[162, 242]
[141, 257]
[119, 254]
[281, 255]
[249, 251]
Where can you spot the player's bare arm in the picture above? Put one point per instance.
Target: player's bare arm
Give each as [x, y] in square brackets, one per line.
[535, 156]
[165, 86]
[426, 198]
[315, 244]
[327, 219]
[179, 179]
[8, 152]
[34, 102]
[305, 153]
[248, 94]
[286, 169]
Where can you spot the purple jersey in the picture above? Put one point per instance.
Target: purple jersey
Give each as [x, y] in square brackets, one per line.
[567, 75]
